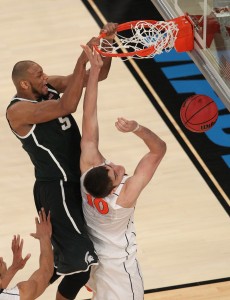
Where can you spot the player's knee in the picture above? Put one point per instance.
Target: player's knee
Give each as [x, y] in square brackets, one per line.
[71, 284]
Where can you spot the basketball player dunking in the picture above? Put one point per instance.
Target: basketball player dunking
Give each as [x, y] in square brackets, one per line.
[43, 123]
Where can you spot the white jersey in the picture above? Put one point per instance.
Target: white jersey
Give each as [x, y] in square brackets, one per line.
[9, 294]
[110, 226]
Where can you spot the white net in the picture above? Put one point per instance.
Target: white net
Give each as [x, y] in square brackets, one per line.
[139, 38]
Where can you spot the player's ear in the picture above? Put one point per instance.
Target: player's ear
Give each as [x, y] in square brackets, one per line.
[24, 84]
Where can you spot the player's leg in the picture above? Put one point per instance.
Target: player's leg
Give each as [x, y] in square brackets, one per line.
[117, 279]
[73, 250]
[71, 285]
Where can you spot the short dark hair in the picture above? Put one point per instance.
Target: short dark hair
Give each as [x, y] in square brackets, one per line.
[98, 183]
[20, 69]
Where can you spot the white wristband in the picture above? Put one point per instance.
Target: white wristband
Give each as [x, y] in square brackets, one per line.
[135, 129]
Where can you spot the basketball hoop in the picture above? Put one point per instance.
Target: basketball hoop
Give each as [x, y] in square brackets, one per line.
[146, 38]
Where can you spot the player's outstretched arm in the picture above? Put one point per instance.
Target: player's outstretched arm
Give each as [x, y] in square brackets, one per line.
[149, 162]
[110, 30]
[90, 154]
[39, 280]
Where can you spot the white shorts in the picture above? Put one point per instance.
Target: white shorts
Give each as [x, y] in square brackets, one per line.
[10, 294]
[114, 279]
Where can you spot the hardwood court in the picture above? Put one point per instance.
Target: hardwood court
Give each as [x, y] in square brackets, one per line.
[183, 232]
[213, 292]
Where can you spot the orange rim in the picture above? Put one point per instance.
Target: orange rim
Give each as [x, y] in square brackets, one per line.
[183, 43]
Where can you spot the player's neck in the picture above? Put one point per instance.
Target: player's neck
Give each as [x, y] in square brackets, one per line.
[27, 95]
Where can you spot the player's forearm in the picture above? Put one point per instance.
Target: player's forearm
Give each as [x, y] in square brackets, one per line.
[90, 120]
[73, 92]
[105, 68]
[90, 100]
[152, 141]
[46, 259]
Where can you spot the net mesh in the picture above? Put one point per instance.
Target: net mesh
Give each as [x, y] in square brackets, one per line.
[143, 38]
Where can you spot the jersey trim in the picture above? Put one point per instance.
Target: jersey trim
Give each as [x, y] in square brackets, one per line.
[130, 279]
[66, 208]
[139, 271]
[51, 155]
[86, 270]
[52, 90]
[23, 99]
[25, 136]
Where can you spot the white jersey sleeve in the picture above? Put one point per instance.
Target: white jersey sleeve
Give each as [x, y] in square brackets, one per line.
[10, 294]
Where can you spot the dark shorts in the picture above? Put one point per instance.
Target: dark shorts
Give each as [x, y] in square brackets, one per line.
[73, 250]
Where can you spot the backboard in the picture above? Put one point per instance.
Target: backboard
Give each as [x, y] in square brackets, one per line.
[211, 54]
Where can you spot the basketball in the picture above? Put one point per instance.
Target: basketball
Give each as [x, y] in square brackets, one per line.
[199, 113]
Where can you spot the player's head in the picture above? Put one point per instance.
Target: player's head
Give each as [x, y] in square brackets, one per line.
[100, 181]
[29, 78]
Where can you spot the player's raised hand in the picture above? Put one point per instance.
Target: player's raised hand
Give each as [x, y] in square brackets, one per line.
[110, 30]
[43, 226]
[92, 42]
[125, 125]
[93, 56]
[18, 262]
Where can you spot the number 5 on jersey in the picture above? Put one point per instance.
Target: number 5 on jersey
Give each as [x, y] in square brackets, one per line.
[66, 123]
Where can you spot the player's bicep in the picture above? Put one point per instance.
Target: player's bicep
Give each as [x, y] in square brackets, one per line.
[146, 169]
[90, 156]
[141, 177]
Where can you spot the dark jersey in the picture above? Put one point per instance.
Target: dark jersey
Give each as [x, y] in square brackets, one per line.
[54, 149]
[54, 146]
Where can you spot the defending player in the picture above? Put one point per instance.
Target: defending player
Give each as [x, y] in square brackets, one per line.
[109, 199]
